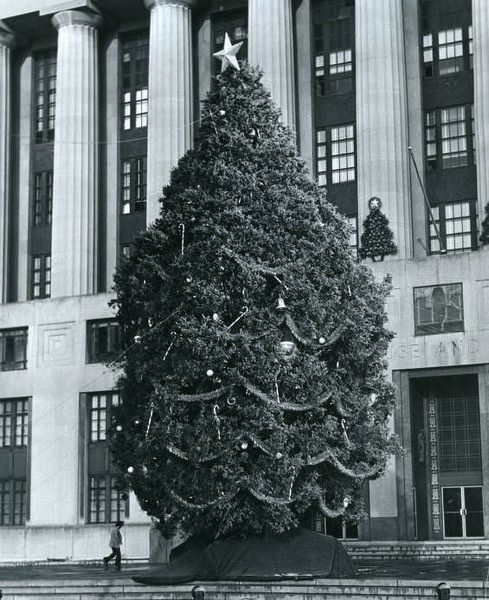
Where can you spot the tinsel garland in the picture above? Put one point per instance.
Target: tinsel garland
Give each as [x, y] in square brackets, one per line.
[253, 266]
[289, 406]
[328, 456]
[203, 397]
[328, 512]
[310, 343]
[197, 507]
[259, 444]
[184, 455]
[270, 499]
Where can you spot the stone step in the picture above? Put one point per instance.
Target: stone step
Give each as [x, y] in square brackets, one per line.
[417, 550]
[323, 589]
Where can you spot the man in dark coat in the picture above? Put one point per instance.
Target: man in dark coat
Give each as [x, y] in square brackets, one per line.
[115, 543]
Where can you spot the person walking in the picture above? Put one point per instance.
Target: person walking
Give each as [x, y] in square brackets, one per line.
[115, 543]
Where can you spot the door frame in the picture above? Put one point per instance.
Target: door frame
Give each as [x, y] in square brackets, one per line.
[462, 502]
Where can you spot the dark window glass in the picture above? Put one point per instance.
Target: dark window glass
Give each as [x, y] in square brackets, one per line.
[446, 38]
[14, 419]
[450, 137]
[334, 46]
[459, 434]
[103, 340]
[134, 81]
[43, 198]
[45, 95]
[438, 309]
[13, 349]
[133, 185]
[107, 502]
[335, 154]
[41, 276]
[456, 223]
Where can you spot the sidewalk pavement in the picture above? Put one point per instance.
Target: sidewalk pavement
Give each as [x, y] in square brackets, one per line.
[443, 570]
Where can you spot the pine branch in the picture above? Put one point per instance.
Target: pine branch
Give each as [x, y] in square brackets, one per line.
[288, 406]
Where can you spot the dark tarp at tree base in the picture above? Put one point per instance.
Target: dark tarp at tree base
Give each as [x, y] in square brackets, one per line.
[301, 554]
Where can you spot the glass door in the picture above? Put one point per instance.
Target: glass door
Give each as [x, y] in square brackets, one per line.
[463, 515]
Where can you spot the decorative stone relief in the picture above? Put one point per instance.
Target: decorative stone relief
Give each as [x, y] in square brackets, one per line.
[55, 344]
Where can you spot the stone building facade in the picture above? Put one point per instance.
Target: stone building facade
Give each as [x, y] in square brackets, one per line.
[98, 100]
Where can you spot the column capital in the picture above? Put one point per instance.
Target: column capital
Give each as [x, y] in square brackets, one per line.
[77, 17]
[185, 3]
[6, 38]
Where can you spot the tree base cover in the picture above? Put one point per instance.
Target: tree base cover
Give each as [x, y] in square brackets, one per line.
[300, 554]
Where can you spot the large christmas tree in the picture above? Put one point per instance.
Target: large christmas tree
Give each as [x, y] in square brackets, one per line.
[253, 375]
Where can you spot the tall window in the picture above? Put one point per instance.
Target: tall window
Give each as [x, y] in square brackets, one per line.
[45, 95]
[43, 198]
[446, 39]
[335, 154]
[41, 276]
[103, 340]
[457, 226]
[13, 349]
[353, 222]
[438, 309]
[449, 137]
[14, 417]
[134, 85]
[106, 501]
[459, 436]
[133, 185]
[333, 46]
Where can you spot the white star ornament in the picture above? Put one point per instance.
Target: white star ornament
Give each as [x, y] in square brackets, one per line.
[228, 54]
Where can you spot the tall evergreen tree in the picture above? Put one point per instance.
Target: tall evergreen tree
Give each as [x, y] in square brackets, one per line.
[253, 377]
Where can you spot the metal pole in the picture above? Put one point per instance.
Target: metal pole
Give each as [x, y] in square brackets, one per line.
[443, 250]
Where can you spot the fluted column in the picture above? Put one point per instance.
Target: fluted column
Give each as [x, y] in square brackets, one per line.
[6, 43]
[381, 127]
[169, 93]
[75, 185]
[480, 20]
[271, 47]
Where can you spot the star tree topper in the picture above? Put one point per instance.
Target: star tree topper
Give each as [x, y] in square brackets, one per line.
[228, 54]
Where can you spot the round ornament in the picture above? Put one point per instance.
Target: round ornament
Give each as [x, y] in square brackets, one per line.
[119, 428]
[244, 445]
[279, 455]
[222, 112]
[215, 317]
[322, 340]
[231, 401]
[130, 470]
[188, 279]
[209, 372]
[137, 339]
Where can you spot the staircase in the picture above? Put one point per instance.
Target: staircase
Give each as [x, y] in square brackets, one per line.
[323, 589]
[426, 550]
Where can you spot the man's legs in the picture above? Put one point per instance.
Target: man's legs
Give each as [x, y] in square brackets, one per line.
[107, 559]
[117, 558]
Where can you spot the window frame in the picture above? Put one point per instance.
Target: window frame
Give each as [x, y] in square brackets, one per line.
[437, 328]
[435, 162]
[44, 95]
[15, 332]
[133, 83]
[439, 212]
[93, 328]
[42, 209]
[44, 270]
[333, 32]
[133, 182]
[324, 139]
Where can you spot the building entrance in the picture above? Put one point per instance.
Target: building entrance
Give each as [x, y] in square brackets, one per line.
[463, 515]
[447, 461]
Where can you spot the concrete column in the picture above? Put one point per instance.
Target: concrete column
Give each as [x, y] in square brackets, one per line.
[6, 44]
[75, 185]
[480, 20]
[382, 135]
[169, 93]
[271, 47]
